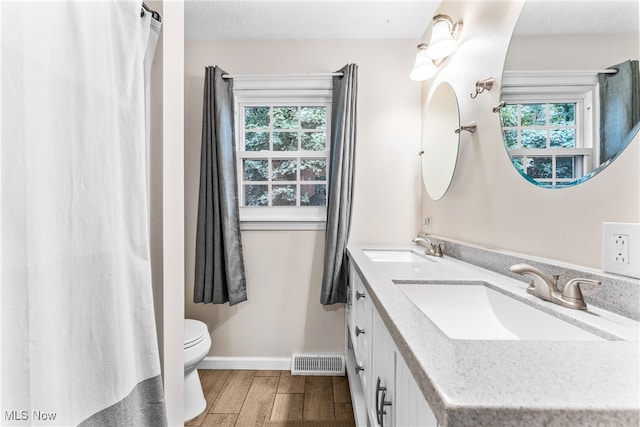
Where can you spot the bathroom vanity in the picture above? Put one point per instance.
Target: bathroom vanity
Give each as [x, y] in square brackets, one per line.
[442, 342]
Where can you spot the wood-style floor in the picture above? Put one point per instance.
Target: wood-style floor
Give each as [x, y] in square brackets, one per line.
[273, 399]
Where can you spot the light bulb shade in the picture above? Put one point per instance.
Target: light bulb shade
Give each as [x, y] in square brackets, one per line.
[423, 68]
[442, 43]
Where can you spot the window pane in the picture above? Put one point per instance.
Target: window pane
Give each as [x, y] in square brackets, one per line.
[563, 114]
[313, 141]
[255, 170]
[539, 167]
[313, 117]
[256, 117]
[511, 138]
[564, 167]
[284, 170]
[284, 195]
[534, 139]
[256, 195]
[563, 138]
[313, 170]
[285, 141]
[285, 117]
[533, 115]
[313, 195]
[256, 141]
[509, 115]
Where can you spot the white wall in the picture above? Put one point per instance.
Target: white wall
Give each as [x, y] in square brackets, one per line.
[284, 268]
[570, 52]
[488, 202]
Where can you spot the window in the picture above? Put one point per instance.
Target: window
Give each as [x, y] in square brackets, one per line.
[283, 152]
[547, 125]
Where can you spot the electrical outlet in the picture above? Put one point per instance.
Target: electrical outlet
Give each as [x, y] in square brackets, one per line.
[620, 243]
[621, 248]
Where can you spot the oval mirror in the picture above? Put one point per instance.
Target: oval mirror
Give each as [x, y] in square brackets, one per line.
[571, 87]
[440, 141]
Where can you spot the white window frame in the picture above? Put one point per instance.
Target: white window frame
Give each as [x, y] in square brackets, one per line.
[281, 91]
[581, 88]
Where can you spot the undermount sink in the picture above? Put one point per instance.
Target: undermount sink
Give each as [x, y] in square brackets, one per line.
[474, 311]
[393, 255]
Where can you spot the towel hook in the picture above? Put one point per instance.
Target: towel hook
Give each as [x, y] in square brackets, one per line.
[481, 86]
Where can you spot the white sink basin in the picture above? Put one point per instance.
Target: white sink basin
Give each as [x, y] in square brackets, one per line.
[477, 312]
[393, 255]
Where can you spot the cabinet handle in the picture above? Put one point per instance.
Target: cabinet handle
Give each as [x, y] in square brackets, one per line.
[359, 295]
[359, 331]
[383, 403]
[359, 368]
[378, 407]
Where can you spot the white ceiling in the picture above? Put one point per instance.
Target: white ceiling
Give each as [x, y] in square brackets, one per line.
[306, 19]
[578, 17]
[385, 19]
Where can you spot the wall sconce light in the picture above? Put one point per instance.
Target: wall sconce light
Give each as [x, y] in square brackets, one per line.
[423, 68]
[442, 44]
[443, 34]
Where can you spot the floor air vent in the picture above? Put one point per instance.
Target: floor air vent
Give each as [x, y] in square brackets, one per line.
[306, 364]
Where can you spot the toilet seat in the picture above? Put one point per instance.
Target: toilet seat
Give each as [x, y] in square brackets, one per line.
[194, 332]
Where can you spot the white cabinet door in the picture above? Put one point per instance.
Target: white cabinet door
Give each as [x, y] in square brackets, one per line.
[381, 399]
[411, 408]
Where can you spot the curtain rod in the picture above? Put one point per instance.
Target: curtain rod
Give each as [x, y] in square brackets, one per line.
[605, 71]
[258, 76]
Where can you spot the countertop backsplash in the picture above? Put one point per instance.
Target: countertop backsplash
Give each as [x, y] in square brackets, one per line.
[618, 294]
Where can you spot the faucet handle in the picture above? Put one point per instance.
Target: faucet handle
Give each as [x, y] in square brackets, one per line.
[438, 250]
[572, 292]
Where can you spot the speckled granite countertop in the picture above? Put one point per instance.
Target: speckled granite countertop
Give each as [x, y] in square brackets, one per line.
[507, 383]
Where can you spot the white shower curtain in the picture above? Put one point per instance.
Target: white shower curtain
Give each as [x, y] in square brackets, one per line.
[78, 339]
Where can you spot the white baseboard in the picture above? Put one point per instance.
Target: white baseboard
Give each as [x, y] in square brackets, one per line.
[251, 363]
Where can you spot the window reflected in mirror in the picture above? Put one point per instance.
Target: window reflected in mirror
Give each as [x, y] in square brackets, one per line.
[571, 89]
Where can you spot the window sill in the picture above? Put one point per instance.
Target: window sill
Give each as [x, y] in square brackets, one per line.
[283, 218]
[282, 225]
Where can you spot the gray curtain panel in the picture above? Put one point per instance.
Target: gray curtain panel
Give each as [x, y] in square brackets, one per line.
[340, 185]
[220, 272]
[619, 107]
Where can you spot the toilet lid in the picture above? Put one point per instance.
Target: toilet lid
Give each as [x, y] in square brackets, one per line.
[194, 332]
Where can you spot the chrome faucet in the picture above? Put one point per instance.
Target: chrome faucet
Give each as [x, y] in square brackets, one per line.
[430, 248]
[546, 288]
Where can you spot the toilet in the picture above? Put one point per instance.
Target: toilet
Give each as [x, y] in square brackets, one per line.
[197, 343]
